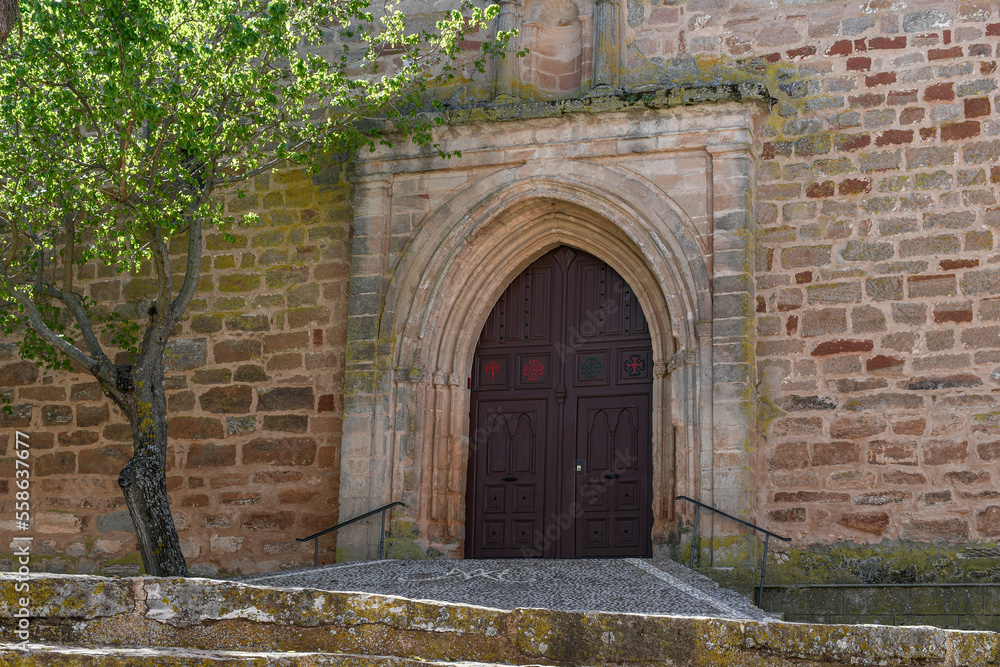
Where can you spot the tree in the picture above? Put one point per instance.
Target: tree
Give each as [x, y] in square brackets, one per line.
[119, 121]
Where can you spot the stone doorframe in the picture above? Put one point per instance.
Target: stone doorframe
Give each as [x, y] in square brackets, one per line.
[437, 241]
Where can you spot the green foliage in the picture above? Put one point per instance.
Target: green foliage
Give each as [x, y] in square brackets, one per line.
[119, 119]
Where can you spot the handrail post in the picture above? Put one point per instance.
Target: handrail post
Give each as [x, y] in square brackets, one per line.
[694, 535]
[316, 552]
[381, 537]
[763, 569]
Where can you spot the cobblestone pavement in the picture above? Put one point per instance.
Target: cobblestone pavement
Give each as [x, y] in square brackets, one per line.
[629, 585]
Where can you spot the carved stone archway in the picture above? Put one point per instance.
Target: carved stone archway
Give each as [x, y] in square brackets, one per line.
[407, 408]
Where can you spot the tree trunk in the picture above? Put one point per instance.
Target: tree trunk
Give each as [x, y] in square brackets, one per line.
[144, 478]
[9, 15]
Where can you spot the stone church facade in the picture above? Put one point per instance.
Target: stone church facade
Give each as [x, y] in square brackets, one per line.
[802, 197]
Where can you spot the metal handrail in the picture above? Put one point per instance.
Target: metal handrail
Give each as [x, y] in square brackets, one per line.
[381, 539]
[767, 536]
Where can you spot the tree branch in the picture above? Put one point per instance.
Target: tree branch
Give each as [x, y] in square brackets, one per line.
[192, 272]
[159, 320]
[39, 326]
[75, 305]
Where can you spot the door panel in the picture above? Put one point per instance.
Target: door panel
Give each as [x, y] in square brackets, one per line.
[509, 451]
[613, 488]
[562, 375]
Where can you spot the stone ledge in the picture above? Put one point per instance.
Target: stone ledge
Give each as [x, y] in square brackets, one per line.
[38, 655]
[208, 615]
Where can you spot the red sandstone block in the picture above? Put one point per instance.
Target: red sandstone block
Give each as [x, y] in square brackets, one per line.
[943, 54]
[993, 29]
[874, 523]
[957, 131]
[994, 174]
[851, 142]
[855, 186]
[788, 515]
[988, 68]
[867, 100]
[928, 133]
[664, 15]
[945, 313]
[810, 497]
[911, 115]
[859, 64]
[880, 79]
[860, 46]
[894, 137]
[977, 106]
[801, 52]
[841, 346]
[774, 148]
[887, 43]
[943, 92]
[818, 190]
[952, 264]
[882, 362]
[843, 47]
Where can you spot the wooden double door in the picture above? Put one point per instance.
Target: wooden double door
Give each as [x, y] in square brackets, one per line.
[560, 462]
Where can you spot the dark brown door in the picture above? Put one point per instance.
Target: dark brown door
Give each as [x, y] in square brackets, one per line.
[560, 419]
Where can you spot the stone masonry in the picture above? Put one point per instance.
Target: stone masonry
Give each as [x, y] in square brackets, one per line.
[805, 193]
[254, 400]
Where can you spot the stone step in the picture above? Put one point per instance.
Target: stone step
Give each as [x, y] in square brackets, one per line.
[43, 655]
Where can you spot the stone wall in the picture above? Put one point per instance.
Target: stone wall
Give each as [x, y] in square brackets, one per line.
[877, 310]
[254, 385]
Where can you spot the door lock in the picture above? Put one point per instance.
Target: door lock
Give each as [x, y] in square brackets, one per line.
[581, 464]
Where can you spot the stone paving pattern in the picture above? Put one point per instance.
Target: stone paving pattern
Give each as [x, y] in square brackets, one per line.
[628, 585]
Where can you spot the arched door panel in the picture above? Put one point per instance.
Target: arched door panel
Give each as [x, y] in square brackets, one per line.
[560, 462]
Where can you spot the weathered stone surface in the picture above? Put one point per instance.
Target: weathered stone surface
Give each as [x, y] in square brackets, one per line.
[57, 414]
[886, 402]
[842, 346]
[286, 423]
[835, 453]
[233, 399]
[280, 451]
[210, 455]
[892, 453]
[228, 351]
[933, 530]
[943, 382]
[285, 398]
[976, 283]
[195, 428]
[104, 460]
[91, 416]
[185, 354]
[789, 456]
[86, 391]
[943, 453]
[20, 373]
[57, 463]
[834, 293]
[879, 498]
[867, 251]
[824, 321]
[874, 523]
